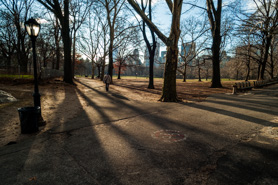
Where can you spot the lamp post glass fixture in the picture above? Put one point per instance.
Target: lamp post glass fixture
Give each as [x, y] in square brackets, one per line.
[33, 28]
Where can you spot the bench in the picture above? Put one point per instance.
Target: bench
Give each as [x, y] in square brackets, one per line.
[245, 86]
[262, 83]
[242, 87]
[272, 81]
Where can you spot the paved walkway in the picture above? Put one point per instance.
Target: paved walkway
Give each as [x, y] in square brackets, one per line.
[228, 139]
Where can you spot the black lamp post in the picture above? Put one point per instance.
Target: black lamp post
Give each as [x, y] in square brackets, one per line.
[33, 28]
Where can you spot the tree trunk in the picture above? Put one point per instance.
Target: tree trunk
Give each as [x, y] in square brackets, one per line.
[169, 86]
[98, 69]
[57, 56]
[258, 72]
[57, 46]
[271, 64]
[216, 79]
[272, 58]
[169, 93]
[248, 72]
[119, 72]
[199, 73]
[110, 55]
[184, 73]
[102, 69]
[103, 61]
[215, 23]
[151, 84]
[151, 50]
[23, 64]
[248, 61]
[93, 68]
[268, 42]
[67, 44]
[22, 57]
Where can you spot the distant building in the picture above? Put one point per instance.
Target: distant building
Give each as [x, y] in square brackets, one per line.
[136, 57]
[156, 55]
[163, 56]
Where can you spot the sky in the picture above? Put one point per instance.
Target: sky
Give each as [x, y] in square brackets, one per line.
[162, 16]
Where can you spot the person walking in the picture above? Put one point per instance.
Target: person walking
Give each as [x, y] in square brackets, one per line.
[107, 80]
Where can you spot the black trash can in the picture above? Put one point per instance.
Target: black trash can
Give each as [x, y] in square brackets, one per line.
[29, 118]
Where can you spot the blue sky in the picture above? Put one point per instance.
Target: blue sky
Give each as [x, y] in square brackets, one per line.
[162, 16]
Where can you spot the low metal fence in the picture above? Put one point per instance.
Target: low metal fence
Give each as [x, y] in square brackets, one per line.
[51, 73]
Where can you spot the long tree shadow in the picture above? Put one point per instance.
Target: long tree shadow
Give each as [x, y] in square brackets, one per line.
[13, 159]
[57, 156]
[257, 101]
[165, 123]
[233, 115]
[249, 106]
[247, 162]
[197, 106]
[151, 159]
[141, 146]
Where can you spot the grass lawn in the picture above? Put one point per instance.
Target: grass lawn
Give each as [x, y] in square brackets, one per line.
[16, 76]
[191, 90]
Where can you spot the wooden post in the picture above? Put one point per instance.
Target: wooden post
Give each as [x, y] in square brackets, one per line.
[235, 89]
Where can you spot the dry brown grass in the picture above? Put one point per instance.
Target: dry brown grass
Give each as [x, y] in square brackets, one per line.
[187, 91]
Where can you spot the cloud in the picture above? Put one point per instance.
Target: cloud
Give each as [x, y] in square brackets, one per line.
[250, 5]
[42, 21]
[145, 1]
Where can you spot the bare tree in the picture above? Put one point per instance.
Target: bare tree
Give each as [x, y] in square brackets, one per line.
[104, 41]
[19, 11]
[125, 54]
[263, 23]
[54, 29]
[90, 47]
[104, 47]
[113, 8]
[61, 11]
[214, 15]
[7, 38]
[151, 47]
[79, 10]
[45, 50]
[194, 31]
[57, 36]
[169, 93]
[273, 64]
[247, 52]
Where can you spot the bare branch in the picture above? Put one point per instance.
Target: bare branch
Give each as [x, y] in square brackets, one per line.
[148, 21]
[170, 5]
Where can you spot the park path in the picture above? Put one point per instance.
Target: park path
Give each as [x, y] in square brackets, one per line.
[228, 139]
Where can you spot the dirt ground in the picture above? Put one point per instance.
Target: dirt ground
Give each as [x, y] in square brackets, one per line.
[61, 102]
[189, 91]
